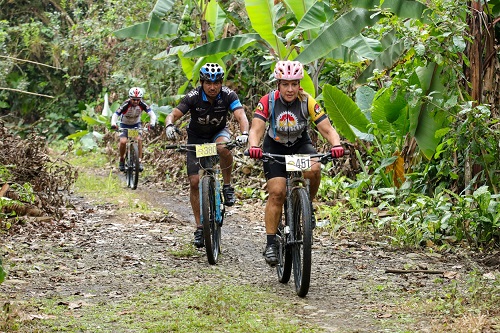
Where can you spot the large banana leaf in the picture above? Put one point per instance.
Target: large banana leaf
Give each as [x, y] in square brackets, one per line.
[162, 7]
[402, 8]
[430, 121]
[262, 16]
[390, 112]
[356, 49]
[215, 17]
[313, 20]
[364, 99]
[224, 45]
[344, 113]
[384, 60]
[155, 28]
[174, 51]
[299, 7]
[347, 26]
[426, 119]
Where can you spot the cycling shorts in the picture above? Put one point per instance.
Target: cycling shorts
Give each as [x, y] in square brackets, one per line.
[124, 127]
[193, 163]
[273, 169]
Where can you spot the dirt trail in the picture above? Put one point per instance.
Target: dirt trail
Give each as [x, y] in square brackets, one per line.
[112, 255]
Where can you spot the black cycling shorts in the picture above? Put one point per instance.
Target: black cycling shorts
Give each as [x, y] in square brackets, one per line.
[274, 169]
[193, 163]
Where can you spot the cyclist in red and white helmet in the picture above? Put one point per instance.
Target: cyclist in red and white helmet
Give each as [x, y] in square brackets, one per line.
[129, 115]
[210, 106]
[288, 110]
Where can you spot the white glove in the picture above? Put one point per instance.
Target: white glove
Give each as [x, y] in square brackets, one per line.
[170, 132]
[242, 139]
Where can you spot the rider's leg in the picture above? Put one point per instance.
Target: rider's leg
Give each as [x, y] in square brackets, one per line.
[276, 187]
[314, 176]
[194, 197]
[139, 144]
[122, 147]
[226, 160]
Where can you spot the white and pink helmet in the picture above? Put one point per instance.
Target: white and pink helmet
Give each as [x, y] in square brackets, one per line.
[288, 70]
[136, 92]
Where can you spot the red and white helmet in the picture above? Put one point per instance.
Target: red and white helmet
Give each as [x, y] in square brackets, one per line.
[136, 92]
[288, 70]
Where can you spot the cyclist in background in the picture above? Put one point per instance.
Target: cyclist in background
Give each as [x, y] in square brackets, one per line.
[129, 114]
[210, 105]
[288, 111]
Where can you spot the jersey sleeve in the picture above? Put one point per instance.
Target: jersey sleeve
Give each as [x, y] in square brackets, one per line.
[122, 108]
[316, 112]
[183, 105]
[234, 102]
[262, 108]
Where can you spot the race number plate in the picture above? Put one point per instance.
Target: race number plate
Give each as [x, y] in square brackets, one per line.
[133, 133]
[206, 149]
[298, 162]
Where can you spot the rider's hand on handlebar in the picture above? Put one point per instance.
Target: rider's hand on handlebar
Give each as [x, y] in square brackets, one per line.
[337, 151]
[242, 139]
[114, 127]
[170, 132]
[255, 152]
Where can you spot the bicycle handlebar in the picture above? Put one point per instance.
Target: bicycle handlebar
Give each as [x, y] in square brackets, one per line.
[323, 157]
[185, 146]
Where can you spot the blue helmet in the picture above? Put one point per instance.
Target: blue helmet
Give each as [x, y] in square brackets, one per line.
[211, 72]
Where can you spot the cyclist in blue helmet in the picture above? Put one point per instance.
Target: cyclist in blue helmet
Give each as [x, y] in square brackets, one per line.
[210, 105]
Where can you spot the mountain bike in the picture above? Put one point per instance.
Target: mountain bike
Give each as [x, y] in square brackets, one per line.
[212, 208]
[295, 233]
[132, 156]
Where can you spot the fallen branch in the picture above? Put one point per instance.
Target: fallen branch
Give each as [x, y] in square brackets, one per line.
[4, 189]
[406, 271]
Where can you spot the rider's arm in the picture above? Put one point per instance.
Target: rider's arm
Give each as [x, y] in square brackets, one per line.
[242, 120]
[328, 132]
[114, 119]
[152, 117]
[173, 117]
[256, 132]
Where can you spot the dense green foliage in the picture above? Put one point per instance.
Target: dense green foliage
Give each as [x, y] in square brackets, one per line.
[395, 77]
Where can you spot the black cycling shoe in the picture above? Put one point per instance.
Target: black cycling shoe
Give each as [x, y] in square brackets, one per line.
[121, 165]
[198, 238]
[228, 192]
[271, 254]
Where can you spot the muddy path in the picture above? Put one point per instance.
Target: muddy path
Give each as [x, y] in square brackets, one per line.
[98, 253]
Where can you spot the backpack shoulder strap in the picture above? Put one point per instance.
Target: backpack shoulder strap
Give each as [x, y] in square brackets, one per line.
[271, 110]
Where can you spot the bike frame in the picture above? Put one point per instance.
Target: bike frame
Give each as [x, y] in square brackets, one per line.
[132, 176]
[296, 252]
[209, 173]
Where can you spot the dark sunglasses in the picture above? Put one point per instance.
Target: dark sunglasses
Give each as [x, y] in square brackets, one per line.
[136, 99]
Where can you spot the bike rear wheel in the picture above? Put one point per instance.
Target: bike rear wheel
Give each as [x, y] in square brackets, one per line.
[211, 228]
[284, 267]
[301, 249]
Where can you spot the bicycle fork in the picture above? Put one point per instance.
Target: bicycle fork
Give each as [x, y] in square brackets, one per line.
[219, 206]
[292, 184]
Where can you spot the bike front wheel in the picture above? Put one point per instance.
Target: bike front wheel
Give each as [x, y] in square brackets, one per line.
[301, 248]
[132, 165]
[211, 228]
